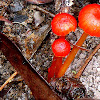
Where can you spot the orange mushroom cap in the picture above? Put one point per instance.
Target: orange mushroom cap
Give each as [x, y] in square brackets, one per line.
[61, 47]
[63, 23]
[89, 19]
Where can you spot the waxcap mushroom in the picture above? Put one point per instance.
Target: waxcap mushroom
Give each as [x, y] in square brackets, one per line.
[89, 19]
[63, 23]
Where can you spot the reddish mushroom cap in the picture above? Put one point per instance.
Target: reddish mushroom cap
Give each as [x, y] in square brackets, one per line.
[61, 47]
[63, 23]
[89, 19]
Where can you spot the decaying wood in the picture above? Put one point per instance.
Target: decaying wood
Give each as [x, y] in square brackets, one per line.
[86, 62]
[39, 87]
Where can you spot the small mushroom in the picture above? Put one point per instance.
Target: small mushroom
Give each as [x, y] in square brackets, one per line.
[89, 19]
[63, 23]
[60, 48]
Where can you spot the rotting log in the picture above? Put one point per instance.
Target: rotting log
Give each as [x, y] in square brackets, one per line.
[39, 87]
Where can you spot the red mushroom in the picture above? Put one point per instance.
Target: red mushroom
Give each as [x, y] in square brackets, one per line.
[63, 23]
[60, 48]
[89, 21]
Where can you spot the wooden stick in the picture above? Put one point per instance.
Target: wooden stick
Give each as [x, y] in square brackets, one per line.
[86, 62]
[43, 10]
[8, 80]
[78, 46]
[71, 55]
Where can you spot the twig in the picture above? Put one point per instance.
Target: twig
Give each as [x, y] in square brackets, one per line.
[86, 62]
[43, 10]
[8, 80]
[78, 46]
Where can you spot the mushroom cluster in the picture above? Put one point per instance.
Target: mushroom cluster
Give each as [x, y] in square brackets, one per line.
[62, 24]
[89, 21]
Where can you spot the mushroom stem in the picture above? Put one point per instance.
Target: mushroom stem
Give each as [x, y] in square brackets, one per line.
[71, 56]
[86, 62]
[53, 69]
[55, 66]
